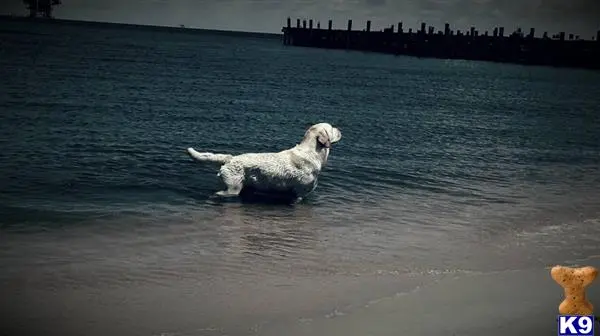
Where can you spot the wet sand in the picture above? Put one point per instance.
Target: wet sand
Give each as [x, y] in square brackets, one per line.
[503, 303]
[186, 306]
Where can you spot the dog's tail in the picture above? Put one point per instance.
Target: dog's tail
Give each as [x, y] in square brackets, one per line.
[209, 157]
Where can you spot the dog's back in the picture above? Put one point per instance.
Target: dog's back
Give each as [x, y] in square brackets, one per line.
[271, 171]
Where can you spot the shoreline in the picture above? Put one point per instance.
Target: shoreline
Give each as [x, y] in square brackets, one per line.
[520, 302]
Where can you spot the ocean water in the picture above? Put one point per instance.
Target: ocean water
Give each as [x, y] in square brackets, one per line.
[106, 226]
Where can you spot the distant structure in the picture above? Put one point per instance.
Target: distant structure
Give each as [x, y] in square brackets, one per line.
[41, 7]
[470, 44]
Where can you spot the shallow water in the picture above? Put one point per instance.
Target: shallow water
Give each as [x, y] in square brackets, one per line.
[445, 167]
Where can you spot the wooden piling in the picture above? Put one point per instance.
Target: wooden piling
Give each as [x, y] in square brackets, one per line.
[349, 33]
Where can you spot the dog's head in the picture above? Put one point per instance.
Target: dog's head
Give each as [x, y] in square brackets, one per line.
[324, 134]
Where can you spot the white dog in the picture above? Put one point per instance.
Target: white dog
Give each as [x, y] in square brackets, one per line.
[294, 171]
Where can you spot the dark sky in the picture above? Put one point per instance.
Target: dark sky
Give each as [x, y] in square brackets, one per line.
[576, 16]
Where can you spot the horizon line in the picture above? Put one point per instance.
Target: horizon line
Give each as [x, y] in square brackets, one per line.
[180, 27]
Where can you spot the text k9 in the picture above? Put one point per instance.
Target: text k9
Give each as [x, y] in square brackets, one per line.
[575, 325]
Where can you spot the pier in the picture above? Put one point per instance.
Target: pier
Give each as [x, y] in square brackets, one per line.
[557, 50]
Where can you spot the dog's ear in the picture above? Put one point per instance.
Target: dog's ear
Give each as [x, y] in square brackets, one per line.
[324, 139]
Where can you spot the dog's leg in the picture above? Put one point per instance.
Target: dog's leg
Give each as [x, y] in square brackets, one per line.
[230, 192]
[233, 181]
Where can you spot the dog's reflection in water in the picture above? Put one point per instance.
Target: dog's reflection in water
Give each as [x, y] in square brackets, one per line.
[250, 195]
[267, 229]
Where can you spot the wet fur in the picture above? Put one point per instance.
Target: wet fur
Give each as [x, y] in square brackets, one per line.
[292, 173]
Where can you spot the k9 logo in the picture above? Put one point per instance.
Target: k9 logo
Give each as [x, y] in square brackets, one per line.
[570, 325]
